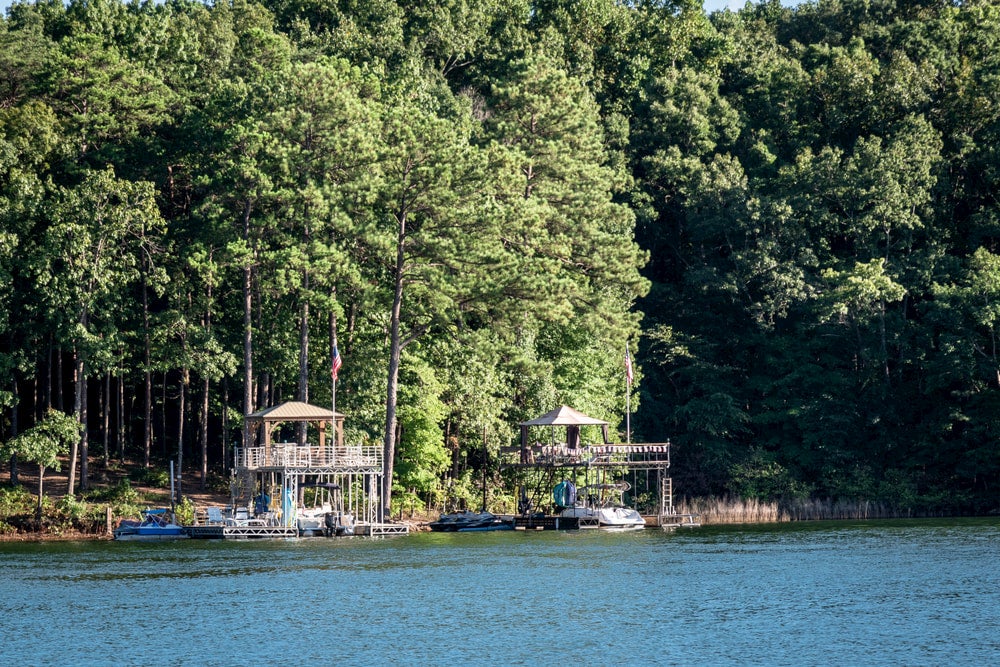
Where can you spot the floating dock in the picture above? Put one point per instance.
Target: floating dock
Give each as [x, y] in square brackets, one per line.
[256, 532]
[545, 523]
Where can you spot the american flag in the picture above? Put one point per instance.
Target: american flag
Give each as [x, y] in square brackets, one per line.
[336, 363]
[628, 366]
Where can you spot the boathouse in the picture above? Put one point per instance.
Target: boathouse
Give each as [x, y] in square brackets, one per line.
[283, 488]
[566, 445]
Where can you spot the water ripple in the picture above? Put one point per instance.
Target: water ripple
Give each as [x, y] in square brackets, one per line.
[860, 593]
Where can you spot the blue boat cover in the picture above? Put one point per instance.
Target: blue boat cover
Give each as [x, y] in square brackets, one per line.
[564, 493]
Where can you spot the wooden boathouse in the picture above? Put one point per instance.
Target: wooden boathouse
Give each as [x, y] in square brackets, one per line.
[639, 471]
[293, 489]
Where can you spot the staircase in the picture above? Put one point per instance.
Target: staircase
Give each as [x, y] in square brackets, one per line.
[241, 488]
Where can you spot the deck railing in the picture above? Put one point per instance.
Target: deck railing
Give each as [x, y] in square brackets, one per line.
[657, 453]
[292, 455]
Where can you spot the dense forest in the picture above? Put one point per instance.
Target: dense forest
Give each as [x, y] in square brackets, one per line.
[789, 215]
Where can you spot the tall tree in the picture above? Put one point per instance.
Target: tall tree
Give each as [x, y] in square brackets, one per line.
[91, 254]
[434, 232]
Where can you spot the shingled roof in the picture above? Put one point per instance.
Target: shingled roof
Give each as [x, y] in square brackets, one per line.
[564, 416]
[293, 411]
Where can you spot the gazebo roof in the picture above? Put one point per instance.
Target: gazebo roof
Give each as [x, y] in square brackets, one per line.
[293, 411]
[564, 416]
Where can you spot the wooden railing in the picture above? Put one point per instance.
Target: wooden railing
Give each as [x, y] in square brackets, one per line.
[657, 453]
[291, 455]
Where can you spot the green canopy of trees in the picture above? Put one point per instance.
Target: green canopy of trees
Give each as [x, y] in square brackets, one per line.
[793, 214]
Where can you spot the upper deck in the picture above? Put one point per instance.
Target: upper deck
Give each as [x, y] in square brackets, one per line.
[634, 456]
[290, 456]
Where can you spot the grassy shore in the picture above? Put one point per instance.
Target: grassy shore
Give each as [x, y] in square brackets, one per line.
[726, 510]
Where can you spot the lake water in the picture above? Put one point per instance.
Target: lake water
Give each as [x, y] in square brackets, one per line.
[854, 593]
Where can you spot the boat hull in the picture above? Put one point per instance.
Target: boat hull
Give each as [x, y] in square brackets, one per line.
[465, 522]
[606, 518]
[150, 537]
[155, 525]
[143, 533]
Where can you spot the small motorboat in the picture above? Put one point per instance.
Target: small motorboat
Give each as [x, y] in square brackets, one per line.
[613, 517]
[156, 524]
[595, 506]
[467, 521]
[328, 517]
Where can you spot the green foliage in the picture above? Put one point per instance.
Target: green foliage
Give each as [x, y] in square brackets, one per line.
[72, 509]
[421, 456]
[121, 497]
[791, 210]
[184, 512]
[15, 500]
[45, 442]
[760, 478]
[155, 477]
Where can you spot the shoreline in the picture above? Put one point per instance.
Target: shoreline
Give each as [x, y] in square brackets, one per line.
[420, 526]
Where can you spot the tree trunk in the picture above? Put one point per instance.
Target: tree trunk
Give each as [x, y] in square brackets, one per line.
[304, 359]
[13, 432]
[85, 436]
[181, 417]
[264, 389]
[350, 325]
[163, 419]
[106, 417]
[206, 387]
[203, 436]
[74, 448]
[48, 380]
[59, 380]
[41, 491]
[392, 386]
[225, 422]
[247, 331]
[147, 435]
[121, 418]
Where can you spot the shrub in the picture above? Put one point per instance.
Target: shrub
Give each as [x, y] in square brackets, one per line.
[151, 477]
[16, 500]
[72, 510]
[184, 512]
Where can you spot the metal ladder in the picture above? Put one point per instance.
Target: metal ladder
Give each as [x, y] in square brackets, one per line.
[666, 497]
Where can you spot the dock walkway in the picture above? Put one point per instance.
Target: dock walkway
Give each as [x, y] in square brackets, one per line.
[250, 532]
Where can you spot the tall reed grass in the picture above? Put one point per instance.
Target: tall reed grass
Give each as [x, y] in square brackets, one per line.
[725, 510]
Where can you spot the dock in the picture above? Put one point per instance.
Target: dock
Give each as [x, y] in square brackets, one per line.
[571, 479]
[545, 523]
[241, 532]
[257, 532]
[671, 521]
[317, 487]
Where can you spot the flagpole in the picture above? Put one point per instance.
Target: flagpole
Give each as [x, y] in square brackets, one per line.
[333, 376]
[628, 397]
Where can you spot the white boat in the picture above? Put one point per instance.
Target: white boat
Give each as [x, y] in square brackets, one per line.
[327, 517]
[155, 525]
[614, 517]
[597, 506]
